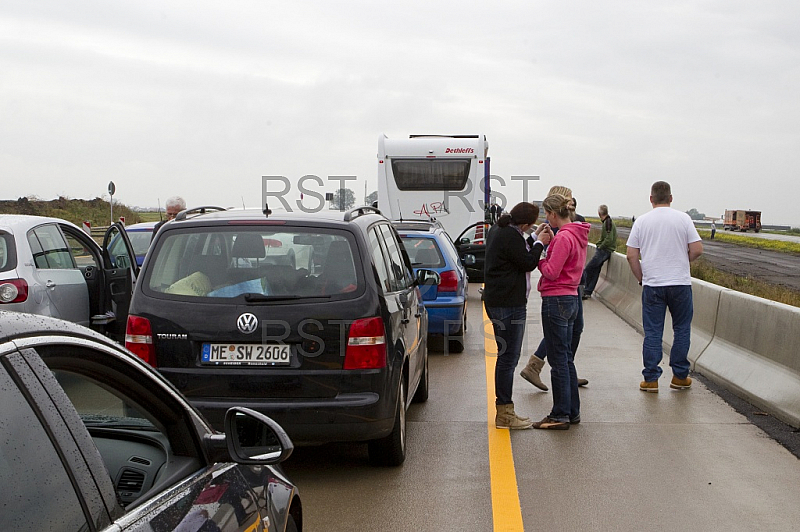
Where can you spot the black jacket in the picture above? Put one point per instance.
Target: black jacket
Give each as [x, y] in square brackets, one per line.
[507, 261]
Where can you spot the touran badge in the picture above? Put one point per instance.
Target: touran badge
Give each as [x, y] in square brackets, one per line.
[247, 323]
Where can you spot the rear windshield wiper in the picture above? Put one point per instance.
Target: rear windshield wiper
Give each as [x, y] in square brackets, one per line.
[259, 298]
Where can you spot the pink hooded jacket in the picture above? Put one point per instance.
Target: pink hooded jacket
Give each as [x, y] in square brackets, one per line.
[563, 266]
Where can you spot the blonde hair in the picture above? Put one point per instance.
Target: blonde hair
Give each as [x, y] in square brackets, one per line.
[567, 193]
[557, 204]
[558, 189]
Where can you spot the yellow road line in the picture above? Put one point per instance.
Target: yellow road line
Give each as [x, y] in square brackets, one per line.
[506, 511]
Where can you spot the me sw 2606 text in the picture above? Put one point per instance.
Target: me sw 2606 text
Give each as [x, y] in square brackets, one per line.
[246, 354]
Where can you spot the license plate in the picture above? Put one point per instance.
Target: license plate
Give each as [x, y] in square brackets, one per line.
[246, 354]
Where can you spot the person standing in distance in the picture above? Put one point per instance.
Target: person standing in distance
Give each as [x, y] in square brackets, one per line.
[510, 257]
[667, 241]
[713, 229]
[175, 204]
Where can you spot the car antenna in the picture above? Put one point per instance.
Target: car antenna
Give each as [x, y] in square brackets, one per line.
[266, 210]
[399, 211]
[243, 207]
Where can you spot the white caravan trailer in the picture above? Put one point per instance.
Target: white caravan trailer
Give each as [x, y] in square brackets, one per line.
[445, 177]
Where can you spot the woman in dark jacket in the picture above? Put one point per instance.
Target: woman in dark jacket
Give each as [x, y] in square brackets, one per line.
[510, 257]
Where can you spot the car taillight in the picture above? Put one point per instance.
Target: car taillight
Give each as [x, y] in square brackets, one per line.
[449, 281]
[366, 345]
[480, 234]
[13, 291]
[139, 339]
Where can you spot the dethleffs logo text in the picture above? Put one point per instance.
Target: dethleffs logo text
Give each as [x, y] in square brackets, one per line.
[459, 150]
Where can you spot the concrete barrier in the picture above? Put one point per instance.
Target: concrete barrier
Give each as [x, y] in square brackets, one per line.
[755, 352]
[746, 344]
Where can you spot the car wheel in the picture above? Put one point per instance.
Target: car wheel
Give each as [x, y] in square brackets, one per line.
[291, 526]
[455, 343]
[391, 450]
[421, 395]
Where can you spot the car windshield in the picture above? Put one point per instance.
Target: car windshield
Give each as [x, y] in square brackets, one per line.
[423, 252]
[254, 262]
[140, 240]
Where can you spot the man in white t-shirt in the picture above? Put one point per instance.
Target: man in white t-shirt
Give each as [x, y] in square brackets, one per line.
[667, 241]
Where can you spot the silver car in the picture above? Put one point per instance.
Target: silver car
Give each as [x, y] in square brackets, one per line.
[49, 266]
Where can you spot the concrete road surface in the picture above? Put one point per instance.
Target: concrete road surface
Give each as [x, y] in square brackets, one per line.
[676, 460]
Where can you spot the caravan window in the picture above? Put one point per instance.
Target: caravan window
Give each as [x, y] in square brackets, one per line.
[431, 174]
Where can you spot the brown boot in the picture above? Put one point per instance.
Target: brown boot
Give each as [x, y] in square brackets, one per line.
[532, 370]
[506, 418]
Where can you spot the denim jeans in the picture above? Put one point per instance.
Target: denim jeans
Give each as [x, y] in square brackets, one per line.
[559, 314]
[509, 330]
[592, 270]
[655, 301]
[577, 330]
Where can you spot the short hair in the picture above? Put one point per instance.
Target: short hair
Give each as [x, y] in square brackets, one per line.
[558, 204]
[603, 209]
[176, 201]
[660, 191]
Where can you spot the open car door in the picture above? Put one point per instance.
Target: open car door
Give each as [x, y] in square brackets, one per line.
[120, 273]
[472, 241]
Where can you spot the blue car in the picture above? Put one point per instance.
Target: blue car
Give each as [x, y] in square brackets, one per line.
[430, 247]
[140, 236]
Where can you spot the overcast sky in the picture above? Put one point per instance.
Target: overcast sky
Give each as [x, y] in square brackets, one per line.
[202, 98]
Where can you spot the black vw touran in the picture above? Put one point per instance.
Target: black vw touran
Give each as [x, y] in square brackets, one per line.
[314, 319]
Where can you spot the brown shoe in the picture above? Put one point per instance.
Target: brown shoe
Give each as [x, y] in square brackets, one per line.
[649, 386]
[506, 418]
[681, 384]
[551, 424]
[582, 382]
[531, 372]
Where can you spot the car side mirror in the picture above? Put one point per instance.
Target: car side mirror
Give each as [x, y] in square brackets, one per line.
[254, 438]
[428, 277]
[464, 240]
[468, 260]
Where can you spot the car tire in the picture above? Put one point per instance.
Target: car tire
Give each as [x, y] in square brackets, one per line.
[421, 395]
[391, 450]
[291, 526]
[455, 343]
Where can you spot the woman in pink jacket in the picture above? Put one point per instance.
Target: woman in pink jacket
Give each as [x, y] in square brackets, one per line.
[561, 274]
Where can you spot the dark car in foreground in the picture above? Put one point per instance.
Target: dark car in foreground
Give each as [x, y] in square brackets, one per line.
[314, 319]
[94, 439]
[429, 247]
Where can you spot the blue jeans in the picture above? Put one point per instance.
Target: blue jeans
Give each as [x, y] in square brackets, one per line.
[655, 301]
[577, 330]
[559, 314]
[592, 270]
[509, 330]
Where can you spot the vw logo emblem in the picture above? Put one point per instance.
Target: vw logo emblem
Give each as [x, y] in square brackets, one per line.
[247, 323]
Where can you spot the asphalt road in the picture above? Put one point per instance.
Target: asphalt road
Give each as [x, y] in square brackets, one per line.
[772, 267]
[634, 459]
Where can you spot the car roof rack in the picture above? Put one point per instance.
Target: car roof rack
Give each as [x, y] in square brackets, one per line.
[198, 210]
[360, 211]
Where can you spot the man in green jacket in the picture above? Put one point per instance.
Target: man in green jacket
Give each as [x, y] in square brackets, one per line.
[605, 247]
